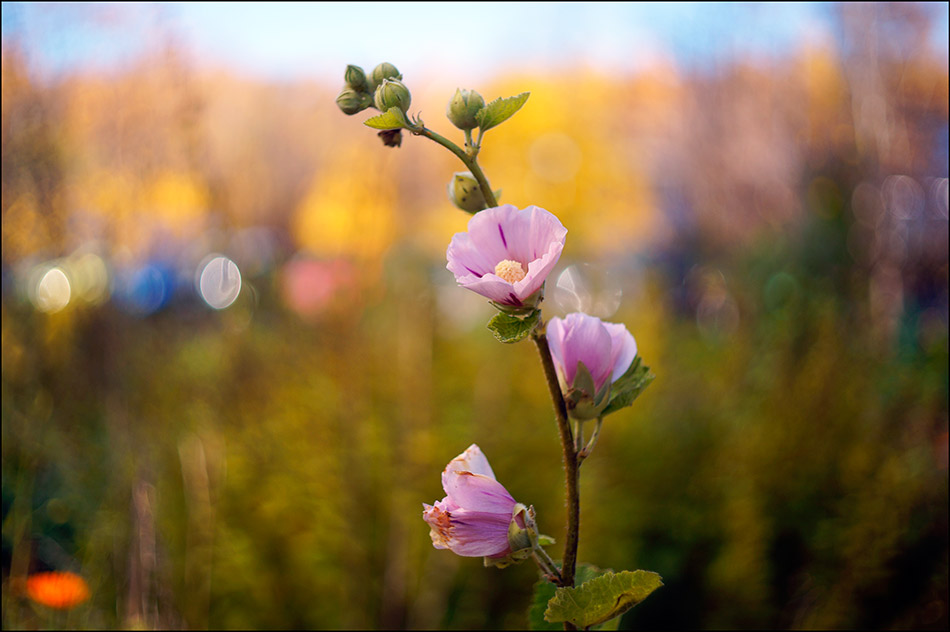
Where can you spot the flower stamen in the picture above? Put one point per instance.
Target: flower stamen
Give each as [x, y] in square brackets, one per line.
[510, 271]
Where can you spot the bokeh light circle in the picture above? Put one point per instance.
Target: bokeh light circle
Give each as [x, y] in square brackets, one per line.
[219, 282]
[585, 287]
[53, 291]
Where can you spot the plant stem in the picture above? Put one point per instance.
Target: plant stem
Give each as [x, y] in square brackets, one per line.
[470, 161]
[570, 459]
[469, 144]
[546, 564]
[583, 454]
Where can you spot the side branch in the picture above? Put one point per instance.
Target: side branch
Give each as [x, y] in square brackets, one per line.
[470, 161]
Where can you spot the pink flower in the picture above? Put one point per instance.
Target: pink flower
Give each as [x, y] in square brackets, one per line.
[606, 349]
[472, 520]
[507, 253]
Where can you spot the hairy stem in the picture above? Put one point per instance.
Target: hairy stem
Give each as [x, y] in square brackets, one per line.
[469, 162]
[570, 459]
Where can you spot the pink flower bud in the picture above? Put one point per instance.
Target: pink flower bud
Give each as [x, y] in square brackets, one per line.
[473, 518]
[507, 253]
[605, 349]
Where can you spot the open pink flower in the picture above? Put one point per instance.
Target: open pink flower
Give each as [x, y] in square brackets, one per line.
[507, 253]
[606, 349]
[472, 520]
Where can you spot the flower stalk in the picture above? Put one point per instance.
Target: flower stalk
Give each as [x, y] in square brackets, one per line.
[583, 454]
[571, 471]
[469, 160]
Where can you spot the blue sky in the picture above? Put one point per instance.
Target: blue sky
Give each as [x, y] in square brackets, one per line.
[315, 40]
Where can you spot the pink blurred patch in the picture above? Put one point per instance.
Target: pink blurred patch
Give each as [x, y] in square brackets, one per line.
[309, 286]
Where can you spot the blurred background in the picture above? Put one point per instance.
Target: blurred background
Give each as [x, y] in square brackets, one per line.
[234, 364]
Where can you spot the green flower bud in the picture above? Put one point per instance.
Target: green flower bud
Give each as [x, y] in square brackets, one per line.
[351, 101]
[465, 192]
[392, 93]
[463, 107]
[356, 78]
[384, 71]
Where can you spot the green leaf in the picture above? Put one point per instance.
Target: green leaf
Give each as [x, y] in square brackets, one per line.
[499, 111]
[545, 540]
[602, 598]
[628, 386]
[394, 118]
[544, 592]
[509, 328]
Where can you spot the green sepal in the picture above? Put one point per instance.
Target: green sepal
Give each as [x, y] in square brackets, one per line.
[583, 380]
[545, 540]
[628, 386]
[544, 592]
[521, 538]
[510, 328]
[499, 111]
[356, 78]
[394, 118]
[581, 404]
[601, 599]
[504, 562]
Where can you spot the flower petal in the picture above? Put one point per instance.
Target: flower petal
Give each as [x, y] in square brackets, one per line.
[477, 492]
[538, 271]
[472, 460]
[623, 349]
[531, 232]
[586, 340]
[468, 533]
[466, 260]
[487, 230]
[493, 288]
[555, 336]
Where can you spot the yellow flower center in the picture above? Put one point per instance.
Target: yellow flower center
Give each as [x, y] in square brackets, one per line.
[510, 271]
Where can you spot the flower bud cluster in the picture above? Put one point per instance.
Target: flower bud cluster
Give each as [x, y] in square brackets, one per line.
[382, 89]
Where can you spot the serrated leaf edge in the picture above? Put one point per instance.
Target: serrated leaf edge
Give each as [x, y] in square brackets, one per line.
[528, 324]
[487, 110]
[377, 121]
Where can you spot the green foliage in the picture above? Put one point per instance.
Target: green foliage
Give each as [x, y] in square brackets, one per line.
[510, 328]
[500, 110]
[394, 118]
[601, 598]
[544, 592]
[628, 386]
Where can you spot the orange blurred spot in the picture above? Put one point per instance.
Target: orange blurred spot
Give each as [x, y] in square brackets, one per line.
[62, 590]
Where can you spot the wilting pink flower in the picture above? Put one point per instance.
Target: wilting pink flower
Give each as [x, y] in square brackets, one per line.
[606, 349]
[472, 520]
[507, 253]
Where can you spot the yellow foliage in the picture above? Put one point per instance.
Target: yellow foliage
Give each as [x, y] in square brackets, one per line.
[178, 199]
[24, 232]
[561, 153]
[349, 212]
